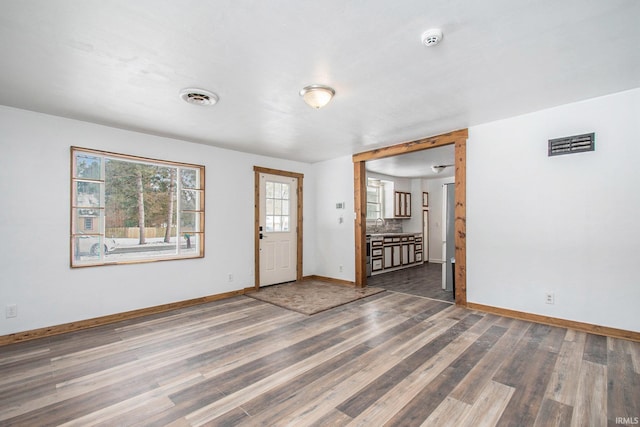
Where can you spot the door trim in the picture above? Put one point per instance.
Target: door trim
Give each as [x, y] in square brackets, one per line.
[459, 139]
[256, 229]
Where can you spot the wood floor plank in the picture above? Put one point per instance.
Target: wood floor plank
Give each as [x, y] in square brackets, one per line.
[472, 385]
[595, 349]
[553, 413]
[563, 383]
[488, 409]
[529, 371]
[449, 413]
[620, 379]
[591, 400]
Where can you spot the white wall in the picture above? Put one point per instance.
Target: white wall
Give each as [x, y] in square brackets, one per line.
[34, 224]
[566, 224]
[335, 238]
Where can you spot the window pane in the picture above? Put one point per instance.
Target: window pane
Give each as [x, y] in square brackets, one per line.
[285, 191]
[269, 189]
[189, 178]
[277, 190]
[285, 207]
[277, 223]
[189, 200]
[277, 207]
[88, 166]
[189, 221]
[285, 223]
[87, 221]
[269, 225]
[87, 194]
[190, 243]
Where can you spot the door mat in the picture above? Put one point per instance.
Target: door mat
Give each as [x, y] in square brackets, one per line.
[311, 296]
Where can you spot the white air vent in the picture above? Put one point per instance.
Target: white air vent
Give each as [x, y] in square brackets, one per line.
[197, 96]
[572, 144]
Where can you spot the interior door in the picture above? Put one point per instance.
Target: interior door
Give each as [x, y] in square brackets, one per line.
[278, 234]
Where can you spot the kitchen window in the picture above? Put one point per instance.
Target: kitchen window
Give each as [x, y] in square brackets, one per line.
[374, 198]
[127, 209]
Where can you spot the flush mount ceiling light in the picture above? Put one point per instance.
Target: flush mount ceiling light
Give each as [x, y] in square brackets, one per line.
[197, 96]
[439, 168]
[317, 96]
[432, 37]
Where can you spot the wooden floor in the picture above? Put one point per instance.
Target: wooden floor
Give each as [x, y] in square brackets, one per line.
[389, 359]
[423, 280]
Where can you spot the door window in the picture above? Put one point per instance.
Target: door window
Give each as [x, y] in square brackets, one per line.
[278, 206]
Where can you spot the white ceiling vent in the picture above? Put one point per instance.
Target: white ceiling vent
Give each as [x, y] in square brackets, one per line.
[572, 144]
[432, 37]
[196, 96]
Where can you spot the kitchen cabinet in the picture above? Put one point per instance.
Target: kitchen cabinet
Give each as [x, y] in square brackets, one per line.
[395, 251]
[402, 204]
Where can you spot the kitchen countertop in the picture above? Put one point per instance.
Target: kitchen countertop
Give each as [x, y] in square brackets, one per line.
[393, 234]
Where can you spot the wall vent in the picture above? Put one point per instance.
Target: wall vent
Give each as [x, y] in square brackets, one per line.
[572, 144]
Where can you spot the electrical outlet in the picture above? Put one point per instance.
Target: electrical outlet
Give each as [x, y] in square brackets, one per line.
[549, 298]
[340, 268]
[230, 277]
[11, 310]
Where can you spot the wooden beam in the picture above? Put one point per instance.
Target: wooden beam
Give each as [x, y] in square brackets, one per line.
[409, 147]
[460, 221]
[360, 204]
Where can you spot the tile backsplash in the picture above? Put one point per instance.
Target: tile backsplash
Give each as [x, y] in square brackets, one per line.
[390, 226]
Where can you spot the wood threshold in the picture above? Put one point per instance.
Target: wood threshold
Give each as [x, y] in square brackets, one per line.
[111, 318]
[555, 321]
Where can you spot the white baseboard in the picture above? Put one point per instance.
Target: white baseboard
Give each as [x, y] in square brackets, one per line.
[436, 261]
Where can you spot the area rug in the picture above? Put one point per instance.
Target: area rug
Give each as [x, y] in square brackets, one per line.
[311, 296]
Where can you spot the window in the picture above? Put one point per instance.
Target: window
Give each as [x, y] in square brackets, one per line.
[277, 206]
[128, 209]
[374, 198]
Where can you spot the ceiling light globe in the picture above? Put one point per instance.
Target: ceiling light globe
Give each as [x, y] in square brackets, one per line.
[317, 96]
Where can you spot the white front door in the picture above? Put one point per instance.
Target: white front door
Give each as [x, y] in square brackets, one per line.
[278, 240]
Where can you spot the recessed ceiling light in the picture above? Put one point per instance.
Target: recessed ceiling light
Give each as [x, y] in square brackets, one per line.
[432, 37]
[197, 96]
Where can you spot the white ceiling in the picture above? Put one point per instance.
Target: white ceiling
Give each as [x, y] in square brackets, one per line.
[416, 164]
[122, 63]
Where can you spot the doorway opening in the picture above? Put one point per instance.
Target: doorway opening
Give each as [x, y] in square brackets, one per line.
[458, 139]
[278, 226]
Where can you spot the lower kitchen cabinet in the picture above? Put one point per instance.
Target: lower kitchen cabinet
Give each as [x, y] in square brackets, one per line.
[395, 251]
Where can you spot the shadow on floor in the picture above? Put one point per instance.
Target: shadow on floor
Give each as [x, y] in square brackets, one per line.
[422, 280]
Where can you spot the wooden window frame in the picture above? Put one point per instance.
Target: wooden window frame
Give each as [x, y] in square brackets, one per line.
[100, 232]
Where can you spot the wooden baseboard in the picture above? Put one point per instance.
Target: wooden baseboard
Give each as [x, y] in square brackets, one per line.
[112, 318]
[330, 280]
[554, 321]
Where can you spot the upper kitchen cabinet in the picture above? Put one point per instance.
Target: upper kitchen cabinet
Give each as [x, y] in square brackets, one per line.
[402, 204]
